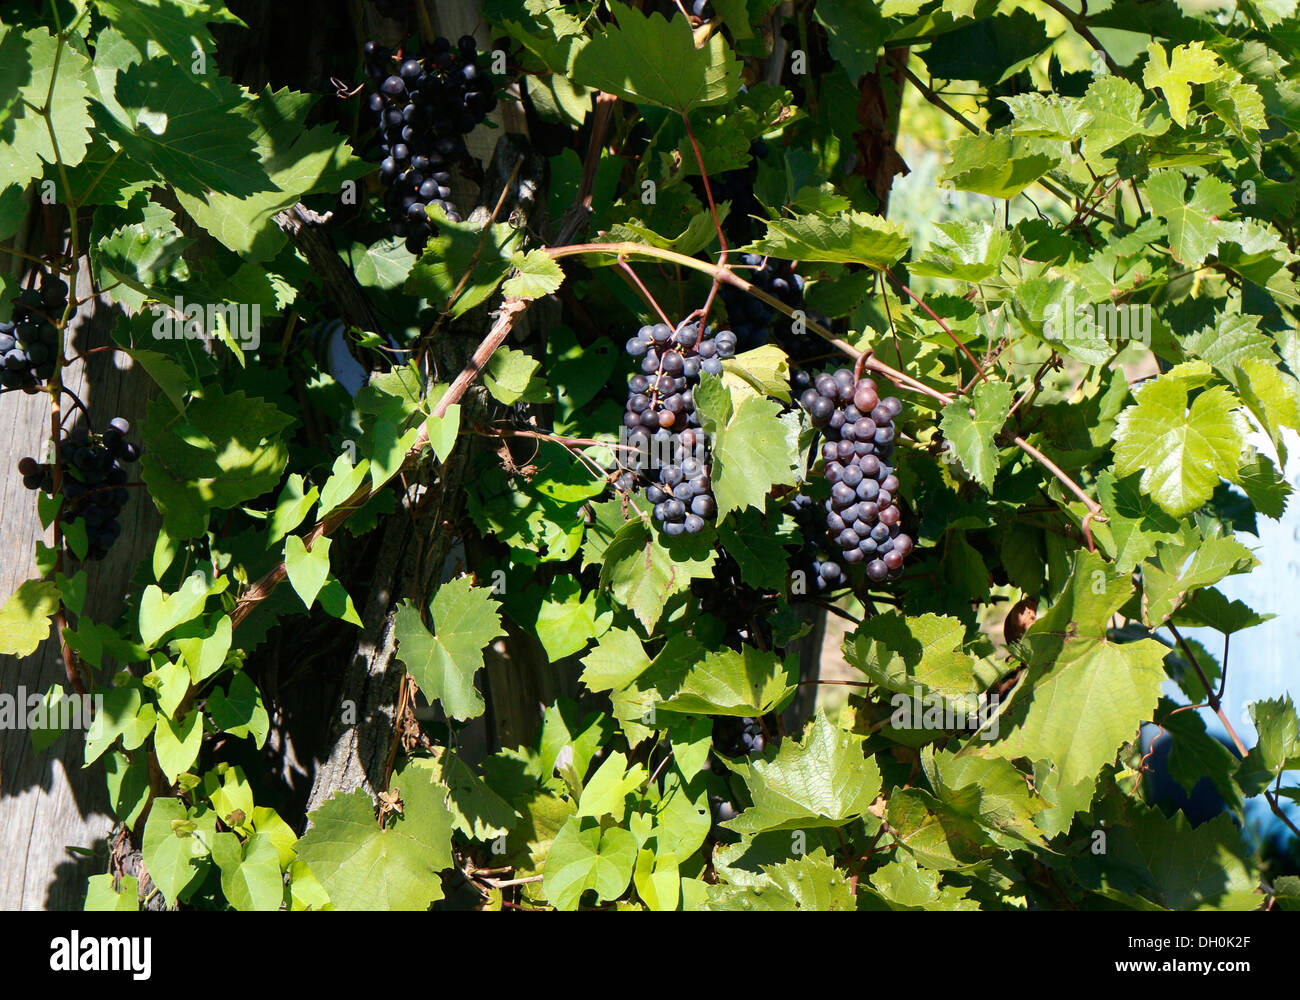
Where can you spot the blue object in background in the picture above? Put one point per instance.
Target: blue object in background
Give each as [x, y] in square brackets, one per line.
[1264, 661]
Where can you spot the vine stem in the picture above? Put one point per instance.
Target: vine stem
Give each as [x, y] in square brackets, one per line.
[554, 438]
[717, 223]
[979, 369]
[645, 292]
[55, 388]
[723, 274]
[1083, 31]
[1211, 696]
[506, 317]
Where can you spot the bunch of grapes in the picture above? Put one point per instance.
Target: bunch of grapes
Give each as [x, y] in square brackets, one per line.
[812, 558]
[737, 188]
[94, 478]
[750, 317]
[734, 737]
[29, 342]
[662, 426]
[425, 110]
[756, 323]
[862, 514]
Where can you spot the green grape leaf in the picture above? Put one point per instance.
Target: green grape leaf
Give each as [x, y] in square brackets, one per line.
[823, 780]
[1087, 693]
[29, 60]
[846, 238]
[854, 32]
[102, 897]
[1135, 523]
[194, 132]
[1174, 76]
[809, 882]
[177, 27]
[653, 60]
[250, 873]
[1151, 859]
[918, 656]
[1000, 165]
[364, 867]
[121, 713]
[658, 879]
[1181, 452]
[617, 660]
[1279, 733]
[177, 743]
[345, 479]
[966, 251]
[444, 663]
[1115, 105]
[478, 811]
[511, 376]
[902, 885]
[692, 741]
[240, 711]
[566, 621]
[1208, 607]
[933, 833]
[148, 257]
[756, 547]
[298, 159]
[1048, 116]
[583, 856]
[291, 508]
[971, 437]
[754, 449]
[643, 569]
[536, 274]
[462, 265]
[224, 450]
[1179, 569]
[726, 682]
[161, 613]
[443, 431]
[1194, 229]
[605, 791]
[1240, 105]
[25, 617]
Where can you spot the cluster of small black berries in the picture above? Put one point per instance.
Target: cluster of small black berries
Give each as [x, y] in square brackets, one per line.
[663, 440]
[94, 478]
[862, 514]
[756, 323]
[737, 188]
[813, 558]
[29, 341]
[425, 110]
[750, 317]
[737, 737]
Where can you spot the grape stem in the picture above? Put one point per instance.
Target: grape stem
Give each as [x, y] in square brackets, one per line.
[717, 224]
[942, 325]
[902, 379]
[1211, 696]
[645, 292]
